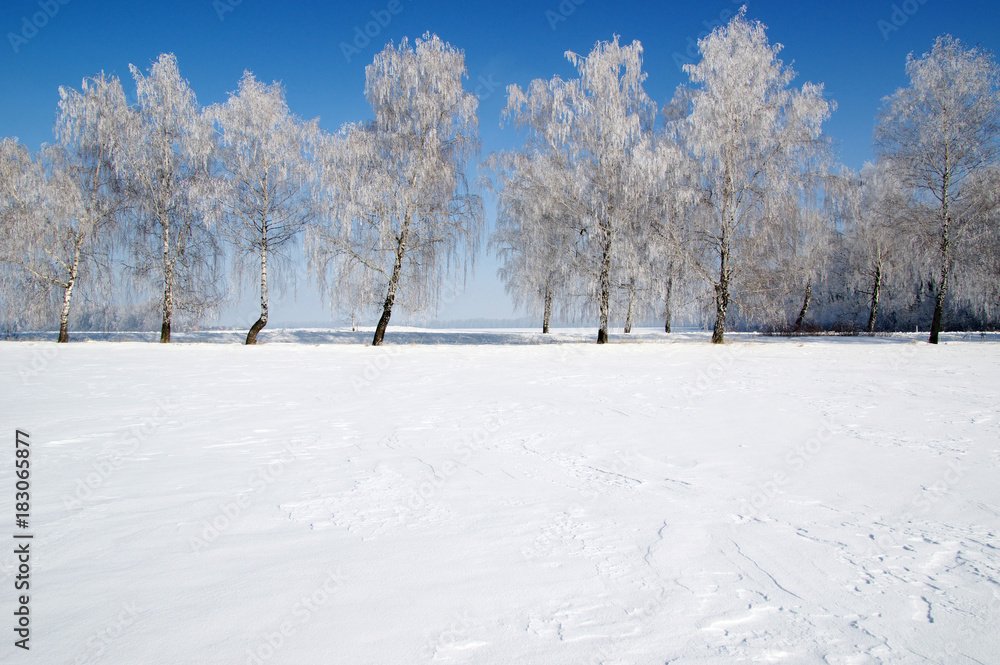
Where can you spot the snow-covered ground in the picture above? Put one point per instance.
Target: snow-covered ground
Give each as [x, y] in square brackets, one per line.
[497, 499]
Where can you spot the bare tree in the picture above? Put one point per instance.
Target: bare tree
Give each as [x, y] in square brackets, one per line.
[264, 156]
[942, 133]
[402, 207]
[749, 132]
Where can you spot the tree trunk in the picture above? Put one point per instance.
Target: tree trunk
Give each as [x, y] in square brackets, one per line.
[390, 296]
[68, 295]
[64, 314]
[805, 305]
[876, 292]
[605, 285]
[262, 321]
[168, 287]
[721, 293]
[669, 301]
[547, 314]
[631, 306]
[936, 323]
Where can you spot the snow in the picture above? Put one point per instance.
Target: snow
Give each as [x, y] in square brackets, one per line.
[451, 500]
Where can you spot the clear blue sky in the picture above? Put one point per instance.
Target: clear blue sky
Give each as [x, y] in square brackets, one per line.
[841, 44]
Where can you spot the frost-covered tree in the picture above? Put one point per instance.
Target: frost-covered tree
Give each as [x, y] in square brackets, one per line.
[401, 204]
[783, 287]
[670, 282]
[166, 165]
[19, 199]
[266, 175]
[91, 127]
[989, 265]
[62, 242]
[649, 261]
[631, 286]
[751, 134]
[942, 134]
[534, 240]
[357, 291]
[599, 125]
[876, 212]
[69, 202]
[671, 246]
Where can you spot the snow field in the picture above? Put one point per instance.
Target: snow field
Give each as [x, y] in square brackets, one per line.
[801, 501]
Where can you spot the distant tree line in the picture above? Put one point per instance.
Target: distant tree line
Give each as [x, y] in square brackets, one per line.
[724, 208]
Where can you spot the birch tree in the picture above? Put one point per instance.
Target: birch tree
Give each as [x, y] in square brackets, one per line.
[943, 135]
[642, 271]
[401, 204]
[90, 126]
[264, 156]
[534, 240]
[806, 246]
[53, 244]
[876, 213]
[669, 262]
[19, 199]
[600, 126]
[70, 200]
[671, 245]
[750, 132]
[165, 164]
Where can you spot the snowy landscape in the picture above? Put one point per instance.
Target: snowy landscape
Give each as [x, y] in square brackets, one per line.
[482, 497]
[740, 403]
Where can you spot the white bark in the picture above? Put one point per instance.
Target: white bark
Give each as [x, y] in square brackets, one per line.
[266, 179]
[165, 162]
[942, 135]
[750, 134]
[399, 206]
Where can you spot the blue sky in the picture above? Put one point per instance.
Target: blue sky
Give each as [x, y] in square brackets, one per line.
[856, 48]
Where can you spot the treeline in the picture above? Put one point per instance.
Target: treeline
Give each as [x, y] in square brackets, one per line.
[724, 207]
[173, 208]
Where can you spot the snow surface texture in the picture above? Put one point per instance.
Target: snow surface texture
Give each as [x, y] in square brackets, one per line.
[823, 500]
